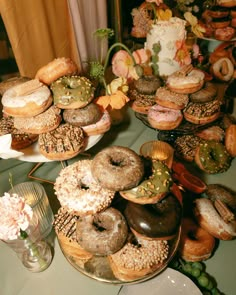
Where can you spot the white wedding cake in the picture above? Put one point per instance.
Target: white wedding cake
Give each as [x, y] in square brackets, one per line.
[169, 35]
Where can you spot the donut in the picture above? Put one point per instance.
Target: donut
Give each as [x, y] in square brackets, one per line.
[187, 80]
[143, 103]
[138, 258]
[44, 122]
[102, 233]
[220, 23]
[218, 12]
[27, 99]
[9, 83]
[196, 244]
[185, 146]
[87, 115]
[206, 94]
[100, 127]
[202, 113]
[78, 192]
[211, 218]
[20, 139]
[169, 99]
[226, 3]
[152, 189]
[212, 133]
[62, 143]
[65, 227]
[163, 118]
[155, 221]
[223, 69]
[117, 168]
[55, 69]
[224, 34]
[233, 22]
[72, 92]
[147, 84]
[212, 157]
[230, 143]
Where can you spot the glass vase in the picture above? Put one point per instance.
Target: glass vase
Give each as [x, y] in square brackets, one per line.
[34, 252]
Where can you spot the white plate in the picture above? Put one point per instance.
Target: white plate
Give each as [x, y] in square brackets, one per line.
[169, 282]
[32, 154]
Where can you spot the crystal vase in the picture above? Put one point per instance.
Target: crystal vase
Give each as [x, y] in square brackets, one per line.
[34, 252]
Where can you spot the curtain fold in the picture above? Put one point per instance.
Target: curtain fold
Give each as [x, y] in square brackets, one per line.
[41, 30]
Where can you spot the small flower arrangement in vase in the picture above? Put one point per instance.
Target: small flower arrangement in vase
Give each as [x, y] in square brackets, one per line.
[19, 229]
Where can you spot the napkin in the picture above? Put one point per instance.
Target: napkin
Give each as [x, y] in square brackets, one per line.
[5, 148]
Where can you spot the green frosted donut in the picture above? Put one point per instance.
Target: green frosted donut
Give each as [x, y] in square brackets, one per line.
[72, 92]
[212, 157]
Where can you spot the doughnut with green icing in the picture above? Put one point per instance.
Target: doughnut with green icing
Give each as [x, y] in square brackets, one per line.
[152, 189]
[72, 92]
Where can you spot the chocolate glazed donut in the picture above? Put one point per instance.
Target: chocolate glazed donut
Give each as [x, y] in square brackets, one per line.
[160, 220]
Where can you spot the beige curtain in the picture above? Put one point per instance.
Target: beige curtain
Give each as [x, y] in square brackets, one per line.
[41, 30]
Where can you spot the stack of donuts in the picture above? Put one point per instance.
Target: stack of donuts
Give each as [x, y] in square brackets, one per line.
[121, 206]
[56, 107]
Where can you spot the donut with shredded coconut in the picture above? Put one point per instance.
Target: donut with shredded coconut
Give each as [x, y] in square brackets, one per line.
[138, 258]
[78, 191]
[103, 233]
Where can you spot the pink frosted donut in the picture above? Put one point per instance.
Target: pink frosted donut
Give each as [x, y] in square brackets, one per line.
[164, 118]
[102, 126]
[78, 192]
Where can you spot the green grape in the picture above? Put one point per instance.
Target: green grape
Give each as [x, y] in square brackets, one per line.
[198, 265]
[196, 272]
[210, 285]
[187, 268]
[215, 291]
[203, 281]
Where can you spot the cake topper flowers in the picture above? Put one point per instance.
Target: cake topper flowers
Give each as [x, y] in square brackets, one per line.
[196, 28]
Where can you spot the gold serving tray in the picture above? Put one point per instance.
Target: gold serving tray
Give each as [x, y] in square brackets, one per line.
[98, 267]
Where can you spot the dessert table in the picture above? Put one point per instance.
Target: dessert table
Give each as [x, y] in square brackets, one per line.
[61, 277]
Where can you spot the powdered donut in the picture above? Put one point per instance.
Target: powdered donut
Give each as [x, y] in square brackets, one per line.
[78, 192]
[103, 233]
[117, 168]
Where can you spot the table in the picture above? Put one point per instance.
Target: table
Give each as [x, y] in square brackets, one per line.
[61, 278]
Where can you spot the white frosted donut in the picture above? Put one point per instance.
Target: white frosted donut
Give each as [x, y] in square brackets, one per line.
[223, 69]
[78, 192]
[27, 99]
[100, 127]
[210, 220]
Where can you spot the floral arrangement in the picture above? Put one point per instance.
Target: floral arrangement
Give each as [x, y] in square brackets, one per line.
[15, 216]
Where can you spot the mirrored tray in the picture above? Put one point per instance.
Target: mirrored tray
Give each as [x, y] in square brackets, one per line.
[98, 268]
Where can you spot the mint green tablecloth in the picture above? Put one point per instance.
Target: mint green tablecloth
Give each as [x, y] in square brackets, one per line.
[61, 278]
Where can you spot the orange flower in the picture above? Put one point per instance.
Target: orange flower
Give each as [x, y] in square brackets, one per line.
[123, 65]
[114, 101]
[182, 55]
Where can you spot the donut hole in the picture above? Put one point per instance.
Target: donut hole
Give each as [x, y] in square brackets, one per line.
[192, 235]
[102, 224]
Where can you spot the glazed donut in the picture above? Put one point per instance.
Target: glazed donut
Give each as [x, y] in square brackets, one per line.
[78, 192]
[62, 143]
[202, 113]
[55, 69]
[224, 34]
[187, 80]
[117, 168]
[157, 221]
[103, 233]
[87, 115]
[9, 83]
[223, 69]
[212, 133]
[185, 147]
[152, 189]
[20, 139]
[230, 143]
[207, 93]
[163, 118]
[100, 127]
[138, 258]
[44, 122]
[210, 218]
[72, 92]
[196, 244]
[65, 228]
[27, 99]
[169, 99]
[212, 157]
